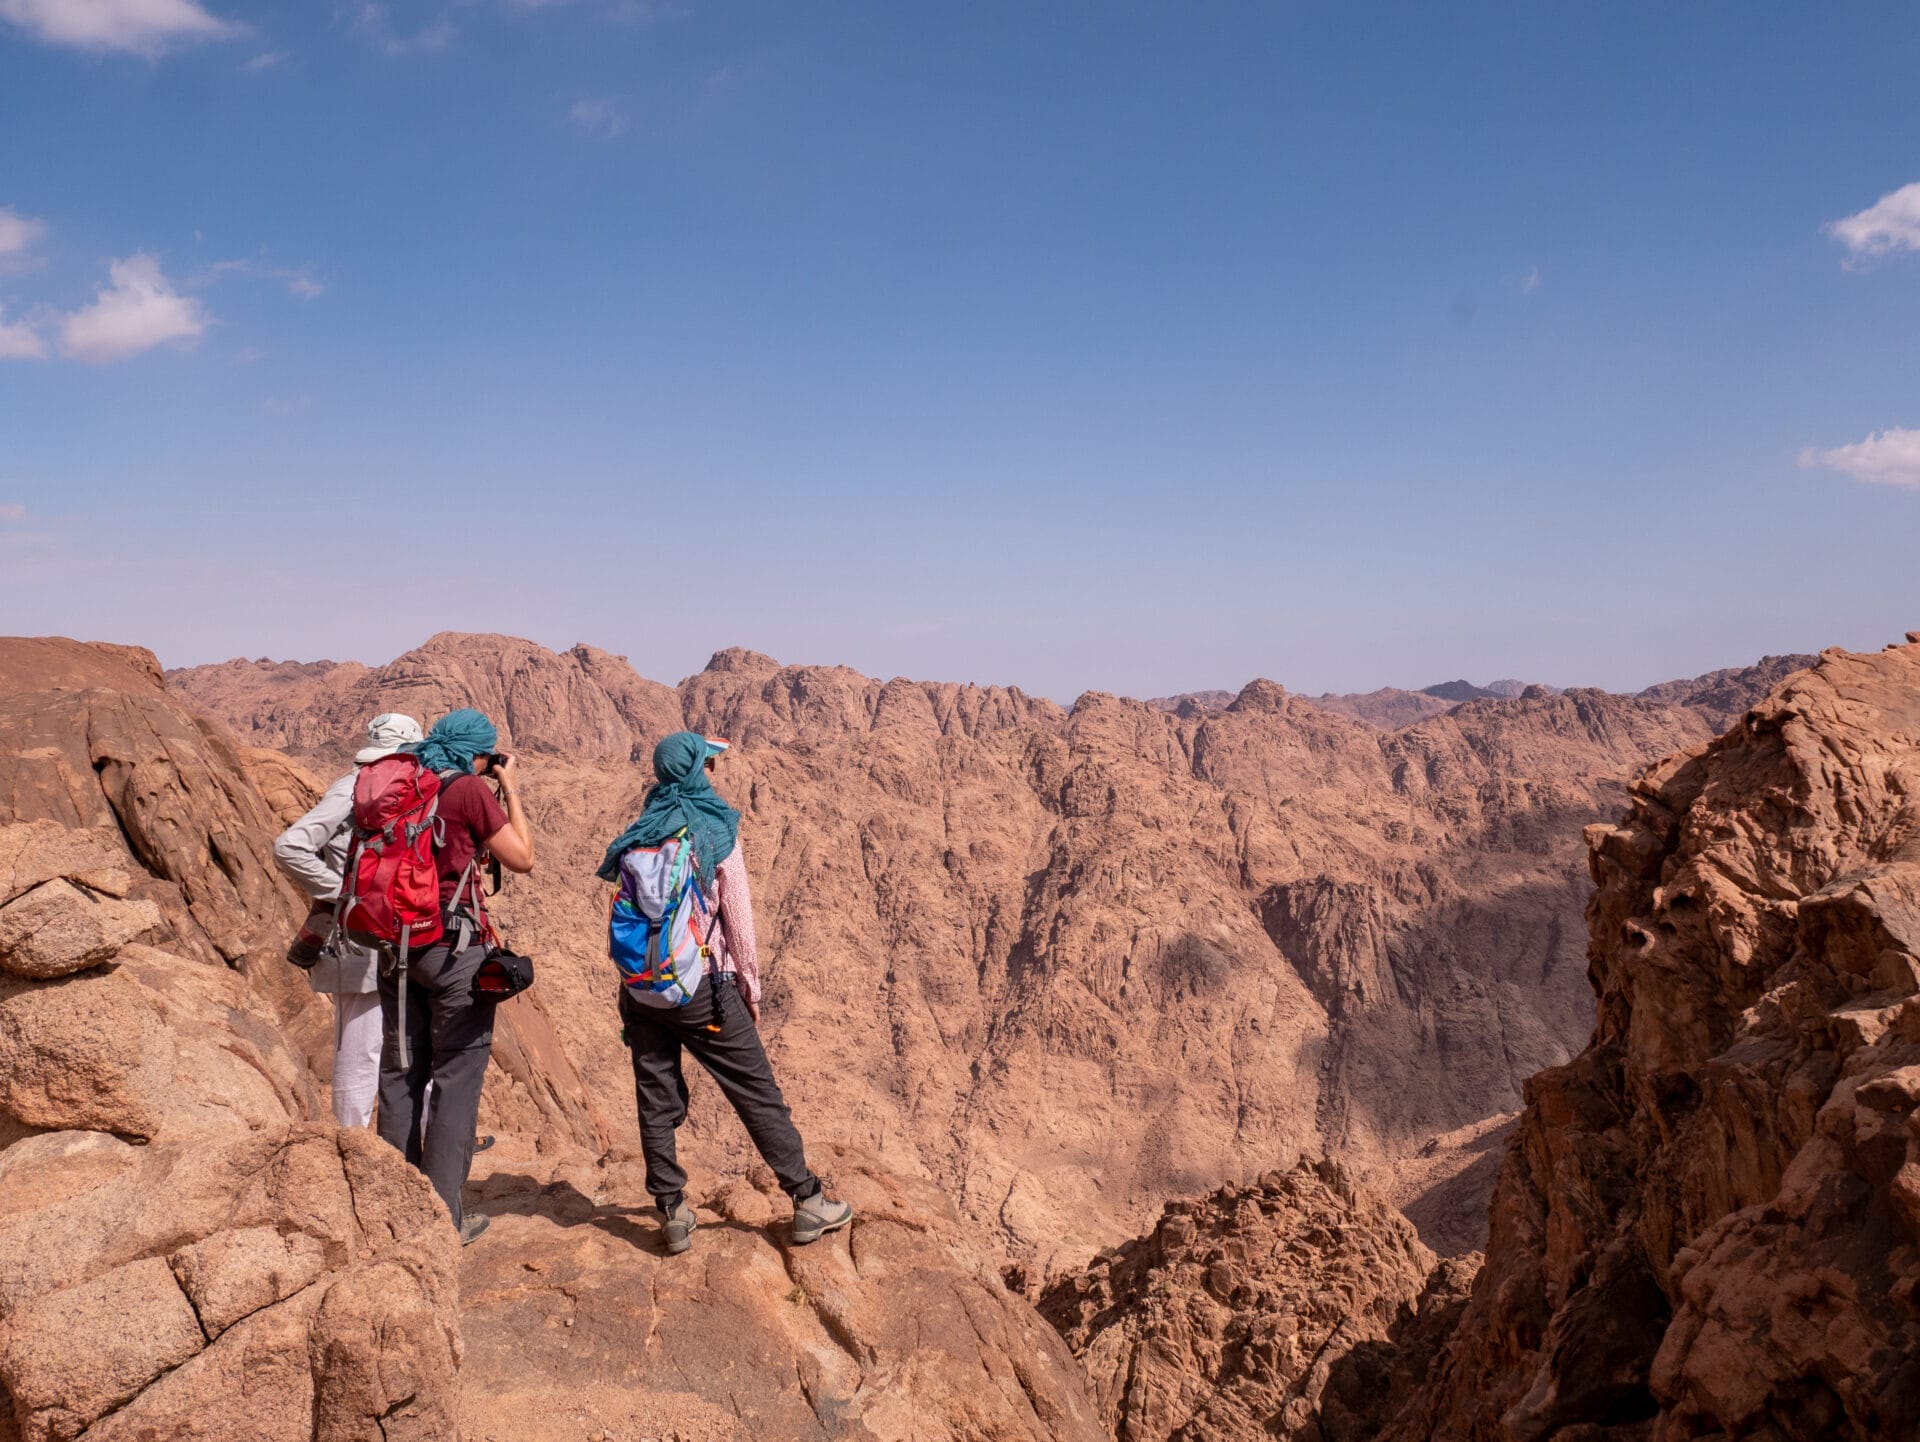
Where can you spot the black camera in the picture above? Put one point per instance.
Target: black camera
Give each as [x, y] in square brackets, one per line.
[496, 759]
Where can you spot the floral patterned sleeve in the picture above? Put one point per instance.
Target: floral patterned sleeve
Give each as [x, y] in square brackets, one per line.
[736, 916]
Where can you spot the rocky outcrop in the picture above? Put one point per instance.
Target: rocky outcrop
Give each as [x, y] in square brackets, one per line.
[578, 1325]
[293, 1283]
[1724, 696]
[184, 1250]
[59, 927]
[1287, 1307]
[1706, 1225]
[1389, 708]
[539, 699]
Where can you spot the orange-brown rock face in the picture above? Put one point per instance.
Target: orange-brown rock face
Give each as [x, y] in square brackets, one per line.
[1707, 1227]
[577, 1324]
[1292, 1307]
[1073, 964]
[188, 1248]
[184, 1251]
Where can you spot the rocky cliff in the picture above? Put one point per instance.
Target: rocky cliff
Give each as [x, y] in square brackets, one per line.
[189, 1249]
[1708, 1224]
[1293, 1306]
[1074, 964]
[183, 1249]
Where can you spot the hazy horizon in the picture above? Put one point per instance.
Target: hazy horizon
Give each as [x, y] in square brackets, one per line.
[1124, 347]
[1233, 687]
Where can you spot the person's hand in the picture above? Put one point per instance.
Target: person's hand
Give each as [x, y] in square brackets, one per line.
[506, 771]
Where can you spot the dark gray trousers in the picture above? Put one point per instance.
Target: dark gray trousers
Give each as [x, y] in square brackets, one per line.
[734, 1058]
[449, 1035]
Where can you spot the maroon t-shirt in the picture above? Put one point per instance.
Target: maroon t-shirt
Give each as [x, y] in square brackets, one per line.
[469, 814]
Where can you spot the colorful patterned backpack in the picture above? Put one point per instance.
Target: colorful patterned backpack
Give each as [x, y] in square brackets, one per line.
[658, 929]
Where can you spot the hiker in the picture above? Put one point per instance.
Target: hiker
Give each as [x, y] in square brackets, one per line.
[313, 852]
[698, 987]
[449, 1030]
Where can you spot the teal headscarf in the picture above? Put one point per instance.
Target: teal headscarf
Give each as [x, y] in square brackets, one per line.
[455, 740]
[681, 797]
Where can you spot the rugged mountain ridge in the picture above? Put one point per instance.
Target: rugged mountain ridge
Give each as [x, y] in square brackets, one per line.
[1017, 946]
[1295, 1306]
[1708, 1223]
[1719, 696]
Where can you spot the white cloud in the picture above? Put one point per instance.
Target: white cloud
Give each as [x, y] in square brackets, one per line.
[145, 27]
[374, 25]
[137, 310]
[602, 117]
[265, 60]
[18, 236]
[12, 513]
[1885, 458]
[1891, 223]
[1530, 282]
[20, 341]
[306, 287]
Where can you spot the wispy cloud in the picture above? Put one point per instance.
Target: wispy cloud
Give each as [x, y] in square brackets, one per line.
[20, 341]
[373, 23]
[298, 282]
[599, 117]
[137, 310]
[1891, 223]
[264, 61]
[19, 234]
[1885, 458]
[141, 27]
[1530, 282]
[12, 513]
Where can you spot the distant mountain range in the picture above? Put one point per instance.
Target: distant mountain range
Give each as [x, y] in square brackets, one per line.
[1722, 694]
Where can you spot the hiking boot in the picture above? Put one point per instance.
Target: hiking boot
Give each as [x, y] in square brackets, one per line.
[472, 1227]
[676, 1227]
[818, 1215]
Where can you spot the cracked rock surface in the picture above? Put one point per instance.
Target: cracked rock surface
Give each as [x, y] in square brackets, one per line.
[578, 1324]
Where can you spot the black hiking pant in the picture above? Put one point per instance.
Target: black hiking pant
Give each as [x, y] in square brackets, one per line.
[449, 1036]
[734, 1058]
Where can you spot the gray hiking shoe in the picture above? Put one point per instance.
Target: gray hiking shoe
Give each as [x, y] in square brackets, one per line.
[676, 1227]
[472, 1227]
[818, 1215]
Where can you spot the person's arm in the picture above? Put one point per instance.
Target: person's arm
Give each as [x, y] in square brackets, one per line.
[736, 915]
[512, 844]
[298, 849]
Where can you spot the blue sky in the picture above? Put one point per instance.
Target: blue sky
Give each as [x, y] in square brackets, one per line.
[1140, 347]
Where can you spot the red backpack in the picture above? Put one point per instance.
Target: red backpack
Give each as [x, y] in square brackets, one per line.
[392, 890]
